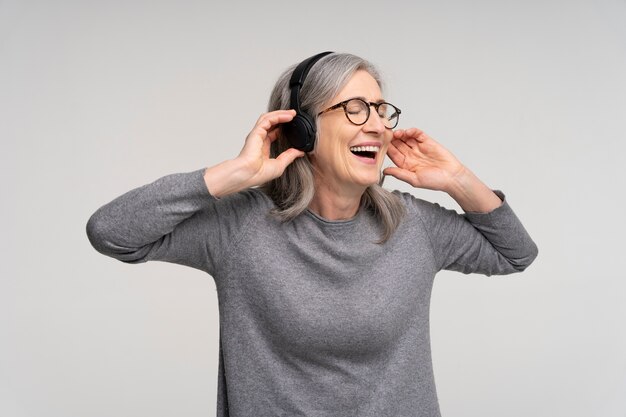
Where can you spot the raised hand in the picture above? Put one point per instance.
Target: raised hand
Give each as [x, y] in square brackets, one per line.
[421, 161]
[253, 166]
[255, 154]
[424, 163]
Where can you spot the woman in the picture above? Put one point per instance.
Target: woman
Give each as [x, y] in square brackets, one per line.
[323, 278]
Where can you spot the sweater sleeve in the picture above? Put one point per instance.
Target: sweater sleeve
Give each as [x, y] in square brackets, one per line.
[173, 219]
[493, 243]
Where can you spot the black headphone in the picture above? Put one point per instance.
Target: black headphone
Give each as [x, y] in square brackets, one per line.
[301, 131]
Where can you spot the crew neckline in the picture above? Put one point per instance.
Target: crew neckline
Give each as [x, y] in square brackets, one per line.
[325, 221]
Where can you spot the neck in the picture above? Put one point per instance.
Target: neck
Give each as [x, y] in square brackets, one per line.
[335, 203]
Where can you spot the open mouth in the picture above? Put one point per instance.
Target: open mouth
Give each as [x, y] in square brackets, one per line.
[365, 151]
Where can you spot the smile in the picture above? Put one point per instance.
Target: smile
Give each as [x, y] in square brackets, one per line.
[368, 152]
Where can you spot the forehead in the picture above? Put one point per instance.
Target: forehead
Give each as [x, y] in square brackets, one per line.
[361, 84]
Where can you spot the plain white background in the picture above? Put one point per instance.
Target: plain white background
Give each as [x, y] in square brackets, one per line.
[97, 98]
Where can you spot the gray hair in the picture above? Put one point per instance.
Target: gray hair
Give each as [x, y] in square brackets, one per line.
[293, 191]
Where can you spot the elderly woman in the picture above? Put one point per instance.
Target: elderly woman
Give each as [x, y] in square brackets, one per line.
[323, 277]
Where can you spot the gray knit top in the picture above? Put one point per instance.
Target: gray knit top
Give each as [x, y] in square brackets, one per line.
[316, 319]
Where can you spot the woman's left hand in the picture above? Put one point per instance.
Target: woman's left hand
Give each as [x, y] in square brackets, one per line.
[422, 162]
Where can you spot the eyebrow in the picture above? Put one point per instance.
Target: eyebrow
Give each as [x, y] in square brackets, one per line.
[382, 100]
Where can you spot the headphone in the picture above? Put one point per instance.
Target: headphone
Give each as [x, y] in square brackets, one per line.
[301, 131]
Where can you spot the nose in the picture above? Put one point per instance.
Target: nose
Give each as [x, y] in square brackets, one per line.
[374, 123]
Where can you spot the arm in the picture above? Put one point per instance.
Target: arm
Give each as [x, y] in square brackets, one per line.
[178, 218]
[494, 243]
[488, 238]
[158, 221]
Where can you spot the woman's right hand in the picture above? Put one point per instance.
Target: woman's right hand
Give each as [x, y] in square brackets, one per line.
[255, 155]
[253, 166]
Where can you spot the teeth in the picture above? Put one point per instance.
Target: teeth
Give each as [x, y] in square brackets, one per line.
[365, 148]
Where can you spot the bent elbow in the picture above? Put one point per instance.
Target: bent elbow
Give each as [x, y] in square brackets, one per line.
[101, 236]
[97, 234]
[520, 264]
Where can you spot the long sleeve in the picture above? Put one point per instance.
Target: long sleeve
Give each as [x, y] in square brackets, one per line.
[494, 243]
[173, 219]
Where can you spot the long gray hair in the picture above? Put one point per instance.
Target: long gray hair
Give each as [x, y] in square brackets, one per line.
[293, 191]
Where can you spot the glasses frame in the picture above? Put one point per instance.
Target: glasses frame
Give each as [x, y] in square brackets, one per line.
[368, 105]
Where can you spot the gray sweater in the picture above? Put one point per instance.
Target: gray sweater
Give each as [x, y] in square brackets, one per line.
[316, 319]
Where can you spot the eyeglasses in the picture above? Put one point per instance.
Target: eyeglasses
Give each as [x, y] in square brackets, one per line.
[358, 112]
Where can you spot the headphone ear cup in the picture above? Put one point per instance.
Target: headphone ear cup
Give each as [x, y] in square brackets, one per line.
[300, 132]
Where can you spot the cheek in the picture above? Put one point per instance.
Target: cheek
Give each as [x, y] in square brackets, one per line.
[324, 156]
[323, 148]
[333, 142]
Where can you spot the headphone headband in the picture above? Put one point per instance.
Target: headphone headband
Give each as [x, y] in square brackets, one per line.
[303, 68]
[299, 75]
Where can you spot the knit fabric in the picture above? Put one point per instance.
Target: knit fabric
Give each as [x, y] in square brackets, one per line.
[316, 318]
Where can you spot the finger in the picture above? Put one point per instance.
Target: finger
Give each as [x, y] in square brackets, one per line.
[412, 143]
[287, 157]
[272, 134]
[275, 113]
[420, 136]
[413, 132]
[273, 119]
[267, 143]
[270, 121]
[406, 136]
[395, 155]
[401, 146]
[397, 134]
[401, 174]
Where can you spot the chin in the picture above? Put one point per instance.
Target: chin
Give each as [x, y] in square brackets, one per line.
[368, 180]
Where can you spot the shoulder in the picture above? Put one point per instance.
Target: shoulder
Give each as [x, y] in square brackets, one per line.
[415, 205]
[246, 198]
[238, 208]
[427, 213]
[249, 200]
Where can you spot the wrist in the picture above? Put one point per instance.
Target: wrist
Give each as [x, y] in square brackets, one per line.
[460, 183]
[226, 178]
[471, 193]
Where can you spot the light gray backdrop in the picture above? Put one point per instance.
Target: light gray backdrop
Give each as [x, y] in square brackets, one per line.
[97, 98]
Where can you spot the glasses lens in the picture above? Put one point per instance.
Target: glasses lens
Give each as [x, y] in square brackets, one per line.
[357, 111]
[388, 114]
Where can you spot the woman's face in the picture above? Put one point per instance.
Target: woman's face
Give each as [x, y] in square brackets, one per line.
[334, 157]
